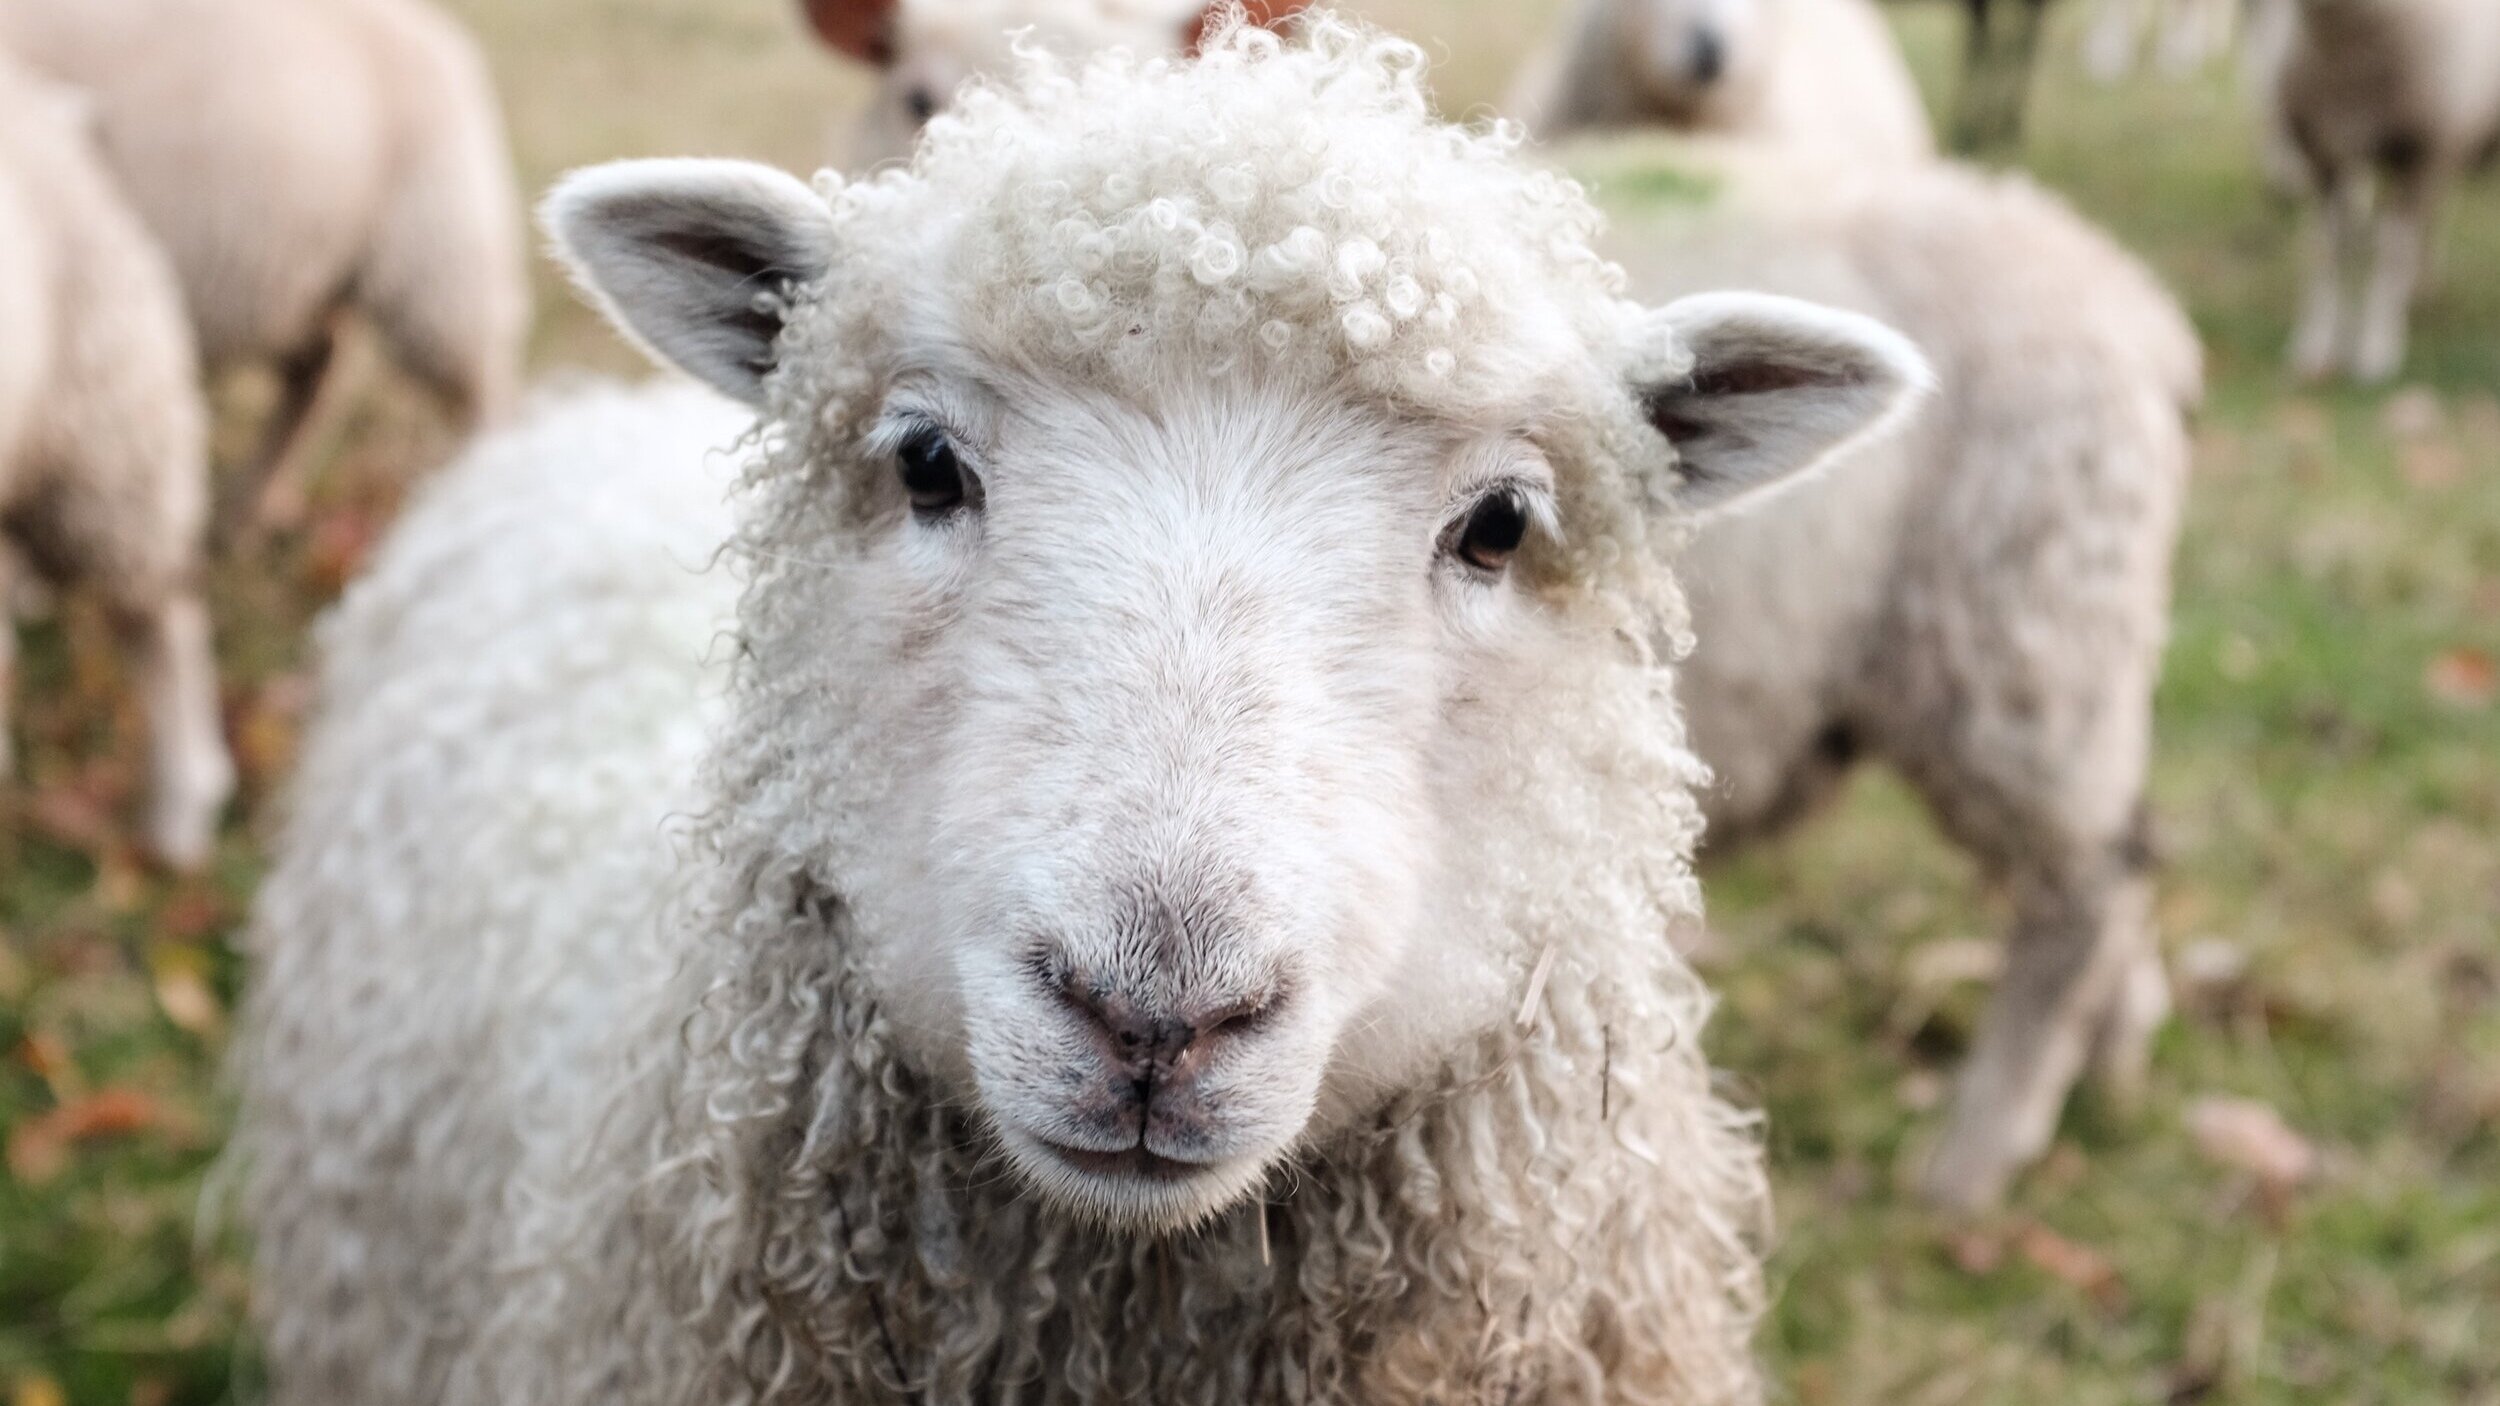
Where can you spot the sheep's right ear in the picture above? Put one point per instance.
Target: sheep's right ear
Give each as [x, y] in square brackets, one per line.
[688, 258]
[1771, 388]
[863, 29]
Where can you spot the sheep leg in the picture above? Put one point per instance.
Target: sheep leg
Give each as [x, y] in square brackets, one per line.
[8, 657]
[1996, 76]
[2080, 939]
[190, 774]
[2401, 242]
[275, 488]
[2341, 216]
[2117, 30]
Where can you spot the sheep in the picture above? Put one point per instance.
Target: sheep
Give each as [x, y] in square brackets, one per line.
[1171, 857]
[300, 160]
[1982, 603]
[103, 444]
[924, 50]
[1826, 74]
[2401, 93]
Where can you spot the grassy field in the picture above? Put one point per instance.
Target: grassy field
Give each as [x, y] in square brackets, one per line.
[2328, 784]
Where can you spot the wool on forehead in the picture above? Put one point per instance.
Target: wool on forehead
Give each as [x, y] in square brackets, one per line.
[1292, 209]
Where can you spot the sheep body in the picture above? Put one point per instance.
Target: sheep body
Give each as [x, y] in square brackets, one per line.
[299, 160]
[2401, 93]
[1825, 75]
[103, 440]
[1982, 602]
[612, 1113]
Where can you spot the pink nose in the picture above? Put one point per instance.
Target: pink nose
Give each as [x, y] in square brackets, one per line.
[1163, 1046]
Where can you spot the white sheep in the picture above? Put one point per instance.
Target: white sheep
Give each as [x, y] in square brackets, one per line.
[104, 444]
[1823, 74]
[300, 160]
[1158, 895]
[2386, 103]
[1981, 603]
[924, 50]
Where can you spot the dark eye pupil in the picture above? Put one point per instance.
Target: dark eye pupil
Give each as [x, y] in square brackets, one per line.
[931, 476]
[1494, 532]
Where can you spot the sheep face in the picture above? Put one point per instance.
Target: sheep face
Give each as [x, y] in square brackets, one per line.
[1175, 675]
[1164, 713]
[1690, 56]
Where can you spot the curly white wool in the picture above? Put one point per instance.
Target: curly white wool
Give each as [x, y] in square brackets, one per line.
[655, 1135]
[1328, 224]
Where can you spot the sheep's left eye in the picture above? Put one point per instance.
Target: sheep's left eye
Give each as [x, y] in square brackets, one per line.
[933, 477]
[1491, 535]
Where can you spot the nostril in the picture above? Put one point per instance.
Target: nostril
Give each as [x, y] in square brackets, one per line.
[1243, 1017]
[920, 103]
[1137, 1037]
[1709, 55]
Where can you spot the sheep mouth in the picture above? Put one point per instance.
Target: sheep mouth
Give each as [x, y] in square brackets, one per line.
[1134, 1163]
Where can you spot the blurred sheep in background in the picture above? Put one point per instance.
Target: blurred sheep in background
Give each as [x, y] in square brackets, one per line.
[2385, 103]
[300, 160]
[1825, 74]
[1981, 604]
[925, 49]
[103, 443]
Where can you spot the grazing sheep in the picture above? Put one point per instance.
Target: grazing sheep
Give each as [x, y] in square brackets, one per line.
[1170, 865]
[301, 159]
[103, 444]
[925, 49]
[1823, 74]
[2400, 95]
[1981, 602]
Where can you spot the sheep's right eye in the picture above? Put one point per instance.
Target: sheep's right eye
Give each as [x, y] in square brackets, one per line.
[933, 477]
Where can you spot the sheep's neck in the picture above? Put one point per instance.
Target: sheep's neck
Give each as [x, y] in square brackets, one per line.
[1492, 1238]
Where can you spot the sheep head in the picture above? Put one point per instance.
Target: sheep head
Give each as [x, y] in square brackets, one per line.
[1197, 494]
[1692, 57]
[924, 50]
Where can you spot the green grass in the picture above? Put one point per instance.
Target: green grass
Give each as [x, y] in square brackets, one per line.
[2330, 806]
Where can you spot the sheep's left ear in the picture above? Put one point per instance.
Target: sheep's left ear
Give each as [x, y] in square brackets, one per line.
[691, 259]
[1776, 387]
[863, 29]
[1266, 14]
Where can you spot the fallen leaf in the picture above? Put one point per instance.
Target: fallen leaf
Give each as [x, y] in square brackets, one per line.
[340, 541]
[182, 990]
[39, 1148]
[195, 911]
[2248, 1136]
[2413, 413]
[2462, 678]
[73, 817]
[2074, 1264]
[1975, 1252]
[2431, 463]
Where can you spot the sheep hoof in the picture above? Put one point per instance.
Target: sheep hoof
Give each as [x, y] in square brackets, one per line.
[2376, 362]
[1966, 1176]
[2122, 1050]
[181, 830]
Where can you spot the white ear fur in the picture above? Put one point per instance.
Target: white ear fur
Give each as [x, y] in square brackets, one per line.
[690, 258]
[1777, 387]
